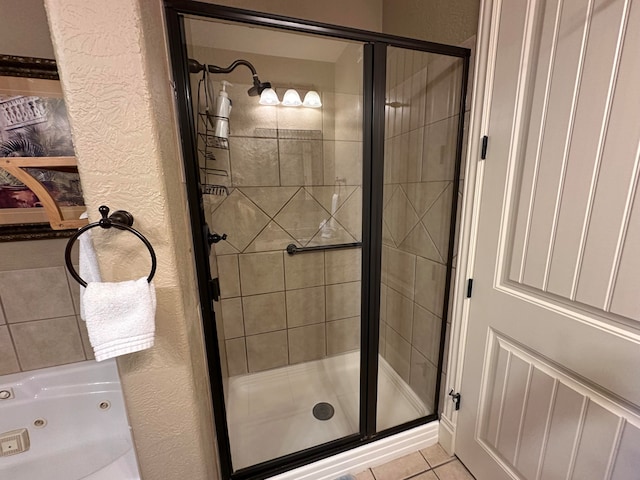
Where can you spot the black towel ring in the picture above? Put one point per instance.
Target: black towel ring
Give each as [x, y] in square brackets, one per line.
[120, 219]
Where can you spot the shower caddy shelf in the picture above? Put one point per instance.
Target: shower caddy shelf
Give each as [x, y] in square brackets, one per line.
[54, 213]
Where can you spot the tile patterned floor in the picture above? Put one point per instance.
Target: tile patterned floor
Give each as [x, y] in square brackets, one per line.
[431, 463]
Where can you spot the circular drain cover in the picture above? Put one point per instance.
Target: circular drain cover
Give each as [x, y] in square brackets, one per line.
[323, 411]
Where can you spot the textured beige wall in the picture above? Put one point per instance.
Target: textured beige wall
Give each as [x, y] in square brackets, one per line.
[114, 72]
[364, 14]
[442, 21]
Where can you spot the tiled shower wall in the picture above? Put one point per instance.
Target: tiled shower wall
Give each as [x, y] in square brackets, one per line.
[295, 177]
[39, 323]
[421, 132]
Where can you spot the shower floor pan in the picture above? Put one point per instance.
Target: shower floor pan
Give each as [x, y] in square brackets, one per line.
[270, 413]
[76, 420]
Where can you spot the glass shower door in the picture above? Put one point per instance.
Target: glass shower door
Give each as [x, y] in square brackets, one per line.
[420, 181]
[289, 270]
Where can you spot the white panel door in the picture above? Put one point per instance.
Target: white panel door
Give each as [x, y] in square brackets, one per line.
[550, 386]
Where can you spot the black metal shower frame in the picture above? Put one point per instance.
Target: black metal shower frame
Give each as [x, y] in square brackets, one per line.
[374, 82]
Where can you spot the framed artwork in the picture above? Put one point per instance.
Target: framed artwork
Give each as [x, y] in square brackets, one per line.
[40, 191]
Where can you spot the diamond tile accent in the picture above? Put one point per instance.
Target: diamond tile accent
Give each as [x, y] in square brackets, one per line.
[324, 195]
[302, 217]
[330, 234]
[400, 216]
[437, 221]
[273, 237]
[270, 199]
[419, 242]
[350, 214]
[241, 216]
[423, 195]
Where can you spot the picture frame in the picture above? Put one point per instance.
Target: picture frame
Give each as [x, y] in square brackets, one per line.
[40, 191]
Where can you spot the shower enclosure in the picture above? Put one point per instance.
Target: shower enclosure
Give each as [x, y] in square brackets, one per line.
[324, 278]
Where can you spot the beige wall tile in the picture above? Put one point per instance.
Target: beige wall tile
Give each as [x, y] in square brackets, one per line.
[229, 275]
[346, 163]
[8, 359]
[301, 162]
[302, 217]
[35, 294]
[34, 254]
[2, 320]
[236, 356]
[399, 216]
[270, 199]
[418, 98]
[232, 317]
[422, 195]
[437, 221]
[304, 270]
[240, 219]
[328, 115]
[426, 333]
[343, 300]
[261, 273]
[443, 87]
[254, 161]
[247, 114]
[306, 343]
[400, 313]
[45, 343]
[398, 353]
[401, 271]
[325, 195]
[350, 214]
[272, 238]
[430, 280]
[305, 306]
[423, 378]
[342, 266]
[438, 159]
[420, 243]
[298, 118]
[267, 350]
[348, 116]
[264, 313]
[343, 335]
[401, 468]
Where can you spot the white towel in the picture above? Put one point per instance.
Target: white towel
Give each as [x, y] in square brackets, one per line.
[89, 268]
[120, 316]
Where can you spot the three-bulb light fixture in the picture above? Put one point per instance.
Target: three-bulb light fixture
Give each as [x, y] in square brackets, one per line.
[291, 98]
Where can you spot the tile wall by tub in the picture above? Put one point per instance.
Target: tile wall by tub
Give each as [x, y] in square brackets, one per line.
[285, 166]
[39, 323]
[421, 132]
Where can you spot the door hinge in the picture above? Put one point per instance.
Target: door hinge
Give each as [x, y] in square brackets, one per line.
[455, 397]
[214, 289]
[469, 287]
[485, 143]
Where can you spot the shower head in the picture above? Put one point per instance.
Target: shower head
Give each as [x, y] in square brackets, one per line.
[258, 87]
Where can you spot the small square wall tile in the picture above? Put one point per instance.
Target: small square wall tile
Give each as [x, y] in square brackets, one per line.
[261, 273]
[343, 300]
[45, 343]
[436, 455]
[35, 294]
[306, 343]
[305, 306]
[302, 271]
[267, 350]
[236, 356]
[454, 470]
[8, 359]
[264, 313]
[343, 335]
[232, 317]
[229, 276]
[401, 468]
[343, 265]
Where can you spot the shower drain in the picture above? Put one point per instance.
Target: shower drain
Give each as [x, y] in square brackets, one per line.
[323, 411]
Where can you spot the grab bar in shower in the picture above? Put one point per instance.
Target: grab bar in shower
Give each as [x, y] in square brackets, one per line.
[292, 249]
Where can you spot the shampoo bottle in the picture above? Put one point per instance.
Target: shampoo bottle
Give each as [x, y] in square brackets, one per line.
[223, 109]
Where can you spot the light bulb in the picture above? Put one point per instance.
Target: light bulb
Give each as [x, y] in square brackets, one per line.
[291, 98]
[312, 99]
[269, 97]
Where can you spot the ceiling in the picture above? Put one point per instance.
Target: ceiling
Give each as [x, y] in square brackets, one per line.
[262, 41]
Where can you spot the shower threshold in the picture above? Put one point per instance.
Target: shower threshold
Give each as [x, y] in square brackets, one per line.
[270, 413]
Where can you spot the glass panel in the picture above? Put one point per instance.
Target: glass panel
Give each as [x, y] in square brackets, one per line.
[421, 125]
[289, 324]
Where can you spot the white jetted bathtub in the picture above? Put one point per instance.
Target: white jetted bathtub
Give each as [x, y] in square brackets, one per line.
[76, 423]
